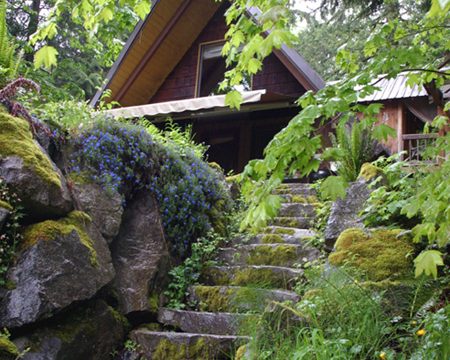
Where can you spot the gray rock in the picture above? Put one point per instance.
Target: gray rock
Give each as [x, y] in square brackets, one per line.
[86, 333]
[4, 213]
[172, 345]
[344, 212]
[105, 208]
[219, 323]
[52, 274]
[140, 253]
[41, 199]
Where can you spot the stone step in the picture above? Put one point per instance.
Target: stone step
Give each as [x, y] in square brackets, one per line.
[267, 254]
[274, 238]
[218, 323]
[236, 298]
[303, 199]
[256, 275]
[186, 346]
[295, 189]
[293, 222]
[297, 210]
[289, 235]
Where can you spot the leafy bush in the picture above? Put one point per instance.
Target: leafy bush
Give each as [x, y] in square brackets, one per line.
[353, 146]
[10, 235]
[180, 139]
[9, 59]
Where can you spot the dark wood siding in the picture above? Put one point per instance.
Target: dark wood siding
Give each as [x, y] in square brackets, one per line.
[180, 84]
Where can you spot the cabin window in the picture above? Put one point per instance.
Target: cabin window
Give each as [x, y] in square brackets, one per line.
[212, 69]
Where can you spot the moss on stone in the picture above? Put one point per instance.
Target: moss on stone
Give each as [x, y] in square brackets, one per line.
[272, 239]
[5, 205]
[198, 350]
[381, 254]
[218, 276]
[280, 231]
[213, 298]
[8, 349]
[153, 302]
[262, 278]
[16, 140]
[119, 317]
[215, 166]
[152, 327]
[287, 222]
[369, 171]
[49, 229]
[80, 178]
[233, 179]
[272, 255]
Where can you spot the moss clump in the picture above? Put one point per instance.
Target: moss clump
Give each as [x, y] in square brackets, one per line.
[382, 254]
[240, 353]
[262, 278]
[286, 222]
[278, 255]
[369, 171]
[153, 302]
[16, 140]
[272, 239]
[49, 229]
[233, 179]
[8, 350]
[80, 178]
[198, 350]
[215, 166]
[217, 276]
[213, 298]
[280, 231]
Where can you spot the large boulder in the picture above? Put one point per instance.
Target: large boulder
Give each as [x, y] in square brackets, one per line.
[140, 253]
[26, 168]
[104, 207]
[345, 212]
[58, 265]
[91, 332]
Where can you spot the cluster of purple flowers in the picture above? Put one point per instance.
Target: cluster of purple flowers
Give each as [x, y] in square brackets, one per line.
[124, 158]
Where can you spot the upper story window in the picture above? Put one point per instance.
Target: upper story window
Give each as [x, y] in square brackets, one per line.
[212, 69]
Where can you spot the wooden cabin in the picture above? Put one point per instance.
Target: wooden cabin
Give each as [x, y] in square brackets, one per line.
[406, 110]
[171, 66]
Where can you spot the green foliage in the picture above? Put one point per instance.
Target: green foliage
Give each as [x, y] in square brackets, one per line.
[187, 274]
[10, 236]
[390, 195]
[176, 137]
[353, 147]
[9, 59]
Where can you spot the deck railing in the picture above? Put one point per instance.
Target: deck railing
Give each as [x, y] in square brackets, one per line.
[415, 145]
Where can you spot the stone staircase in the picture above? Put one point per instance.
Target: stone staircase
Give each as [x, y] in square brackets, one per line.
[251, 273]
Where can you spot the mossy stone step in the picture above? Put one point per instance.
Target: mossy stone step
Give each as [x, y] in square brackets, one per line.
[276, 238]
[186, 346]
[295, 189]
[267, 254]
[297, 210]
[263, 276]
[237, 299]
[298, 222]
[303, 199]
[217, 323]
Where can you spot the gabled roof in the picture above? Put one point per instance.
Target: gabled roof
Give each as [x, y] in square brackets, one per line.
[158, 43]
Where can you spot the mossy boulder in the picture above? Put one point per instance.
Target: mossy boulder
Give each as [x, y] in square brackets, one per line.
[370, 172]
[26, 167]
[379, 254]
[89, 332]
[59, 263]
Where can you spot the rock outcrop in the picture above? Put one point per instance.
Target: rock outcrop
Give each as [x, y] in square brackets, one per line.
[58, 266]
[139, 253]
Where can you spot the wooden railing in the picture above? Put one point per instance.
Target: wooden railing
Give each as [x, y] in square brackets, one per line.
[415, 145]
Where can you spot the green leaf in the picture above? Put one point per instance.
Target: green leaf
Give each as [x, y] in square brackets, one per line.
[254, 65]
[427, 262]
[383, 132]
[142, 8]
[233, 99]
[333, 187]
[45, 57]
[106, 14]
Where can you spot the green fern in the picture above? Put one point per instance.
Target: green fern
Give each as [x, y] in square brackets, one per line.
[9, 59]
[356, 146]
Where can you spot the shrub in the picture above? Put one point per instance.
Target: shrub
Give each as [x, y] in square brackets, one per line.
[125, 158]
